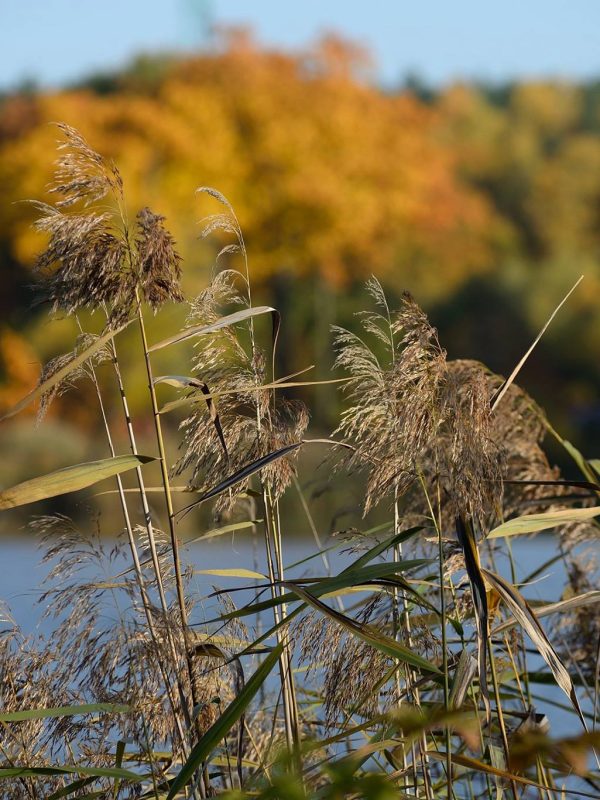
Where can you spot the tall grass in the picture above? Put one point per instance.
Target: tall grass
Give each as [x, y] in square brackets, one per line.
[417, 669]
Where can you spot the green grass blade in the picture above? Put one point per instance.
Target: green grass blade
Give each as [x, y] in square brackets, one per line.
[530, 523]
[225, 723]
[69, 479]
[64, 711]
[71, 788]
[224, 322]
[381, 547]
[525, 616]
[363, 576]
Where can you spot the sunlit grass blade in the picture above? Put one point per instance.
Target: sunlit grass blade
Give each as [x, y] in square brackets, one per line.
[234, 526]
[579, 601]
[479, 766]
[279, 384]
[507, 383]
[69, 479]
[526, 617]
[530, 523]
[224, 322]
[224, 724]
[238, 572]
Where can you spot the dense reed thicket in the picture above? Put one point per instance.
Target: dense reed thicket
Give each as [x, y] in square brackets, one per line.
[417, 669]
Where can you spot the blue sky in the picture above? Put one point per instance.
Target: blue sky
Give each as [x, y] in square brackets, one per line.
[56, 41]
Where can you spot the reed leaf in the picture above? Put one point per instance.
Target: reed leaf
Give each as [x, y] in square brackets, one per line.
[530, 523]
[526, 617]
[242, 474]
[64, 711]
[224, 322]
[466, 538]
[507, 383]
[579, 601]
[224, 724]
[73, 769]
[69, 479]
[374, 574]
[182, 381]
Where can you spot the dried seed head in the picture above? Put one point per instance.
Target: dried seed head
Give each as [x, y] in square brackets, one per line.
[158, 261]
[419, 421]
[233, 375]
[81, 173]
[89, 261]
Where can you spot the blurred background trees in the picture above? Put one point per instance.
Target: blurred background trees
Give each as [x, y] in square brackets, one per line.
[484, 202]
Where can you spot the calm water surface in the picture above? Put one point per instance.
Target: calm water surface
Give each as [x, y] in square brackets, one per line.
[23, 574]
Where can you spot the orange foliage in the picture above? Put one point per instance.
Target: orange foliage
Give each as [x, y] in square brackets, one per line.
[329, 176]
[19, 368]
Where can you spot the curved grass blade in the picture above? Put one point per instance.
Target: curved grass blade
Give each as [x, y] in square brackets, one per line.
[224, 322]
[507, 383]
[69, 479]
[466, 538]
[241, 474]
[71, 788]
[580, 601]
[234, 526]
[225, 723]
[373, 637]
[239, 572]
[181, 381]
[62, 373]
[64, 711]
[526, 617]
[360, 576]
[479, 766]
[278, 384]
[530, 523]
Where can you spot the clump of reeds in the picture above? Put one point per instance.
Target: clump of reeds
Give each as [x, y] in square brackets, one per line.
[420, 681]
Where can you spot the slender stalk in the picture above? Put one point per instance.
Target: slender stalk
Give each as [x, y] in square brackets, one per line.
[275, 567]
[134, 553]
[436, 519]
[164, 475]
[144, 499]
[173, 535]
[500, 713]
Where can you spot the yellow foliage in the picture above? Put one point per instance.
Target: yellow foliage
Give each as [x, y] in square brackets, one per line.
[329, 176]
